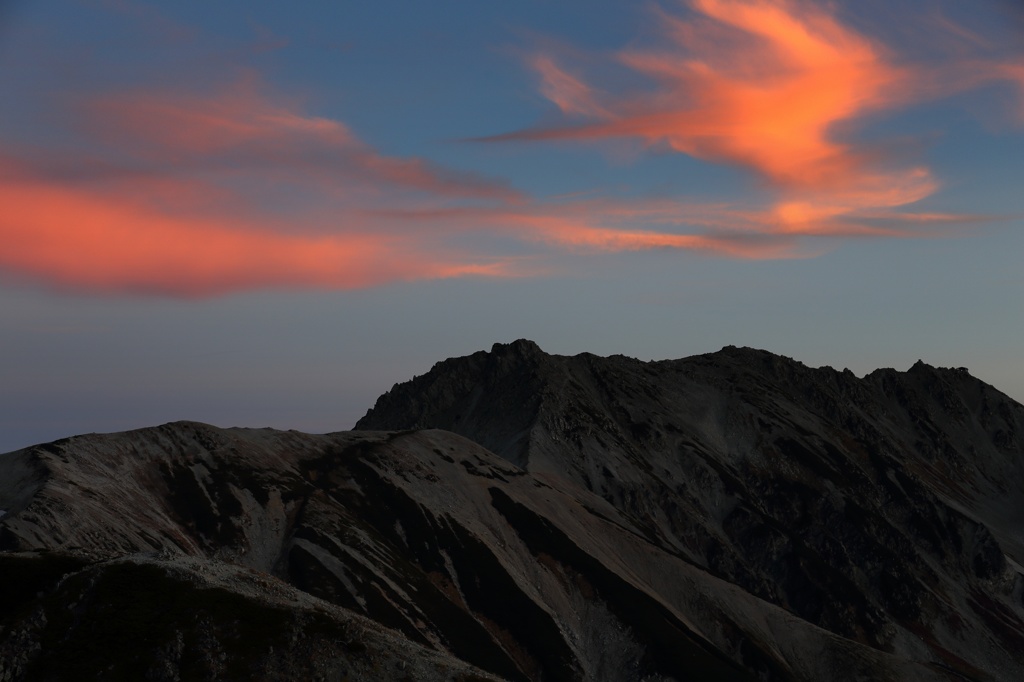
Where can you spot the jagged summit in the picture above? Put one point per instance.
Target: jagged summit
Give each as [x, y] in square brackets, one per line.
[495, 398]
[520, 347]
[706, 453]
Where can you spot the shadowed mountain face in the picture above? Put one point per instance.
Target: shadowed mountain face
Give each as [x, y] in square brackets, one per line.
[730, 516]
[888, 510]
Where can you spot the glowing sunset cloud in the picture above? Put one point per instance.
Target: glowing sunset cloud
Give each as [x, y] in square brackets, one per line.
[770, 101]
[758, 83]
[80, 241]
[193, 192]
[171, 202]
[89, 241]
[101, 225]
[768, 85]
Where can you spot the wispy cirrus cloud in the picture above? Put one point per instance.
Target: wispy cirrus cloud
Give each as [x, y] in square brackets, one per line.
[568, 92]
[753, 83]
[78, 240]
[244, 129]
[776, 87]
[170, 201]
[190, 192]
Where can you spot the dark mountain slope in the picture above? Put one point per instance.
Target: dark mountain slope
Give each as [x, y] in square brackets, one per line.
[173, 553]
[730, 516]
[887, 510]
[192, 552]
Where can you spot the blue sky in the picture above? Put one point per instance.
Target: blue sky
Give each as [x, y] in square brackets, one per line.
[249, 215]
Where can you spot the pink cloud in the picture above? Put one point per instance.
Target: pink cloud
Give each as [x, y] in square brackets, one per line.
[758, 84]
[570, 94]
[84, 241]
[241, 128]
[171, 200]
[181, 238]
[774, 86]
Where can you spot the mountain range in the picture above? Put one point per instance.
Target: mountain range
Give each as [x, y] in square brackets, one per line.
[524, 516]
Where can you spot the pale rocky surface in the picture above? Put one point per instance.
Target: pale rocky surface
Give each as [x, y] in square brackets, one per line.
[729, 516]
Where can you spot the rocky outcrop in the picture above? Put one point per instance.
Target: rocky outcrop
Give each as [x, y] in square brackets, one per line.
[879, 509]
[730, 516]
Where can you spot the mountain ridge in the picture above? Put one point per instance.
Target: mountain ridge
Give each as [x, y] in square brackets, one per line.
[518, 515]
[927, 448]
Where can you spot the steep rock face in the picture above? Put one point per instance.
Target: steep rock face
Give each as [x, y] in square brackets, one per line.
[491, 398]
[887, 510]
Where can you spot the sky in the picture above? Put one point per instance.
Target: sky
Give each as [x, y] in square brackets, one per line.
[266, 214]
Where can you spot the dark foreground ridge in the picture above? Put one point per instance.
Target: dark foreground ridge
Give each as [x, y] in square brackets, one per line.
[517, 515]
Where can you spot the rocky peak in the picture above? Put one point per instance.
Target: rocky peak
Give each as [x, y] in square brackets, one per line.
[522, 348]
[757, 468]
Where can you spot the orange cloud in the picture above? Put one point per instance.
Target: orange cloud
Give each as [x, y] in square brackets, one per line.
[168, 237]
[82, 241]
[173, 197]
[147, 213]
[173, 202]
[773, 86]
[763, 86]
